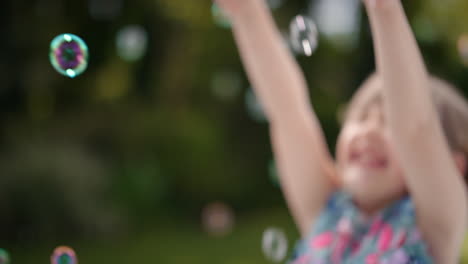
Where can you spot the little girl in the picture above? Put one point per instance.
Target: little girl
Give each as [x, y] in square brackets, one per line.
[396, 192]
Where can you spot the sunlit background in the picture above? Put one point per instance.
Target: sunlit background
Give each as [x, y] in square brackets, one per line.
[159, 151]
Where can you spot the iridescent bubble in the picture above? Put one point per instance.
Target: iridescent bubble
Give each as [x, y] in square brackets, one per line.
[274, 244]
[217, 219]
[254, 108]
[219, 17]
[4, 256]
[303, 35]
[69, 55]
[132, 42]
[63, 255]
[463, 48]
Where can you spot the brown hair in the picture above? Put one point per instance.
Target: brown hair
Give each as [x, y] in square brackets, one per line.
[451, 107]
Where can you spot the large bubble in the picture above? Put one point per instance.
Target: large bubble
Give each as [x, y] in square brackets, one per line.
[69, 55]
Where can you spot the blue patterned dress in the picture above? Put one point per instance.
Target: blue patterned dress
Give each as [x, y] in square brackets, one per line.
[342, 235]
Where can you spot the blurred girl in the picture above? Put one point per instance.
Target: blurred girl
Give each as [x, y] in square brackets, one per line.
[395, 193]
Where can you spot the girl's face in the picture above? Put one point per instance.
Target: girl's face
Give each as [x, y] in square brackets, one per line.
[366, 164]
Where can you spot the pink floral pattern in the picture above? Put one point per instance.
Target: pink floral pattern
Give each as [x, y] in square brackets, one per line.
[342, 235]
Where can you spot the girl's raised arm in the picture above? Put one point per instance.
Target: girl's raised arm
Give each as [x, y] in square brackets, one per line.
[304, 163]
[434, 182]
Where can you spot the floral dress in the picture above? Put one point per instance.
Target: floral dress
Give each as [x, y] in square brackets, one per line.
[342, 235]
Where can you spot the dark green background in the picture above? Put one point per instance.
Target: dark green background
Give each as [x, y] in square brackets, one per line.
[119, 162]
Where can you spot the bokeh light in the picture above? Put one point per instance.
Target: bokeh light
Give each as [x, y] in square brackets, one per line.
[105, 9]
[219, 17]
[303, 35]
[218, 219]
[226, 85]
[339, 21]
[4, 256]
[63, 255]
[254, 108]
[273, 173]
[463, 48]
[132, 42]
[274, 4]
[274, 244]
[69, 55]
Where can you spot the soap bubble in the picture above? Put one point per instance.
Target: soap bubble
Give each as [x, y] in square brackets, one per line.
[4, 257]
[217, 218]
[303, 35]
[132, 42]
[274, 244]
[69, 55]
[63, 255]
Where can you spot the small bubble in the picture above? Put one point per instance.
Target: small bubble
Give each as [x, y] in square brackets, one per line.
[132, 42]
[303, 35]
[69, 55]
[217, 219]
[4, 256]
[63, 255]
[274, 244]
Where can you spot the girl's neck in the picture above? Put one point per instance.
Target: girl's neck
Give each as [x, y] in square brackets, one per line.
[371, 208]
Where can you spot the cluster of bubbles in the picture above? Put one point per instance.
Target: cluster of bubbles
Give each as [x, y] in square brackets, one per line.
[69, 55]
[217, 219]
[274, 244]
[61, 255]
